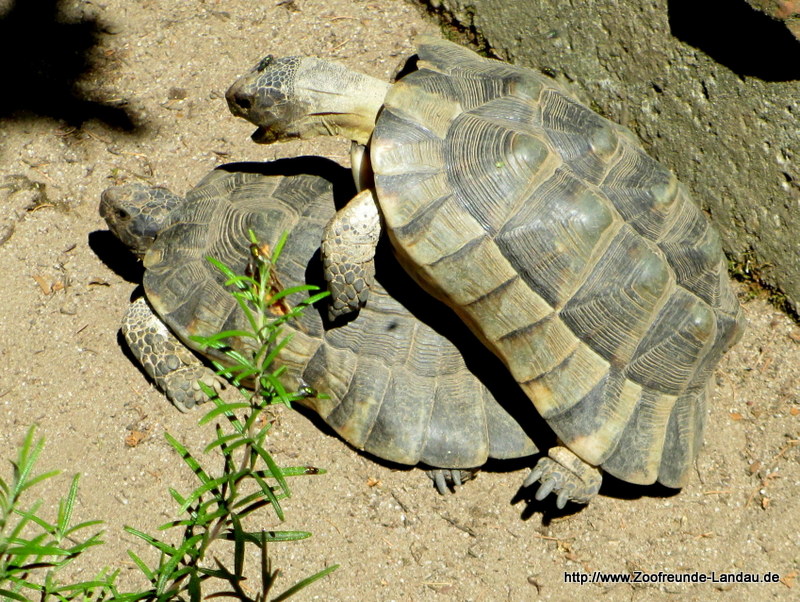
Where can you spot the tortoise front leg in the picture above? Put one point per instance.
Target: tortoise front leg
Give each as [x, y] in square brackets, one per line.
[348, 253]
[175, 370]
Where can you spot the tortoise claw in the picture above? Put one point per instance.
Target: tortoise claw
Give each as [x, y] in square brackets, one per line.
[447, 479]
[533, 476]
[439, 481]
[545, 488]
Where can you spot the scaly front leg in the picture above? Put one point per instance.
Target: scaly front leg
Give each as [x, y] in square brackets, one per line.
[348, 253]
[175, 370]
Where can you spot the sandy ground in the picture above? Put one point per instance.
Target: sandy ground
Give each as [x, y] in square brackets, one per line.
[151, 109]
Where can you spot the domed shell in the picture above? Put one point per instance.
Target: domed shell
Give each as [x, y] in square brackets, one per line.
[579, 260]
[394, 386]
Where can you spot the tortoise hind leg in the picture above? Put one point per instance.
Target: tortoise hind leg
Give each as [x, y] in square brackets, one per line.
[175, 370]
[348, 253]
[567, 475]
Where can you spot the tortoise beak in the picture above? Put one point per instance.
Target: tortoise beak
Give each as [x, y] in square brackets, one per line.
[263, 136]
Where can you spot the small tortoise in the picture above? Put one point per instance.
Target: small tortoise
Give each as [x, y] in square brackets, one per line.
[577, 259]
[396, 388]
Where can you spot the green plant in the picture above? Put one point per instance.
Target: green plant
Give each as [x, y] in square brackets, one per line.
[33, 550]
[263, 300]
[216, 509]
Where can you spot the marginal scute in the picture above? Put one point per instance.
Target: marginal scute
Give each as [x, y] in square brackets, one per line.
[644, 192]
[399, 430]
[424, 156]
[443, 229]
[396, 131]
[593, 427]
[666, 359]
[637, 456]
[683, 437]
[567, 383]
[694, 250]
[454, 432]
[439, 55]
[352, 415]
[410, 104]
[468, 272]
[506, 306]
[406, 198]
[152, 258]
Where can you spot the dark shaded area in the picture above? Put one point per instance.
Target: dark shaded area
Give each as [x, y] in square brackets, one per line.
[614, 487]
[43, 57]
[734, 34]
[340, 177]
[116, 256]
[406, 67]
[611, 487]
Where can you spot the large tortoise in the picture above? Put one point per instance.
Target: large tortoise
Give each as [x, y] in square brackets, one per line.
[575, 257]
[395, 387]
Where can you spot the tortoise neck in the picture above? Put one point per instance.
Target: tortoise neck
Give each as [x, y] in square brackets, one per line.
[340, 102]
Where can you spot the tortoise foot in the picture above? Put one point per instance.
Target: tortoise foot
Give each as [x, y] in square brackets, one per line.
[182, 386]
[447, 479]
[565, 474]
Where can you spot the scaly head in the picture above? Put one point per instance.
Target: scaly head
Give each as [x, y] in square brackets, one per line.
[135, 213]
[303, 97]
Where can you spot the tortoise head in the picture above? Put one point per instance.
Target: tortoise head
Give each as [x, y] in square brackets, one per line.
[303, 97]
[135, 213]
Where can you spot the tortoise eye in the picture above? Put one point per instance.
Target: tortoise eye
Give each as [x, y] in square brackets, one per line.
[121, 214]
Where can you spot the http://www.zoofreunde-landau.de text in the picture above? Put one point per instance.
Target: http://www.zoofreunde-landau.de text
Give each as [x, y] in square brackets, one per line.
[582, 578]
